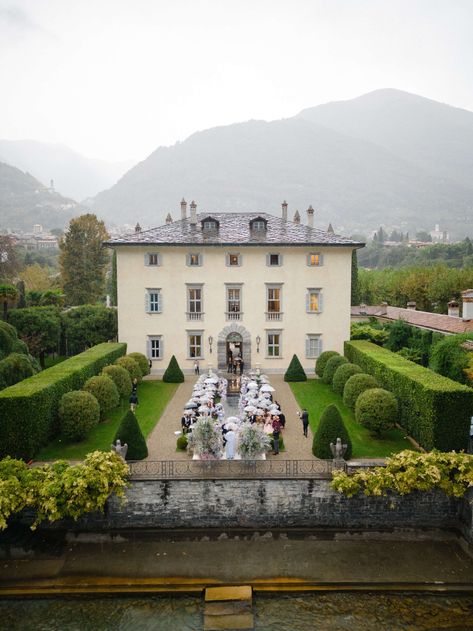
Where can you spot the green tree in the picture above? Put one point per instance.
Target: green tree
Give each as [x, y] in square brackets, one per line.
[295, 372]
[87, 326]
[423, 235]
[83, 260]
[21, 294]
[399, 335]
[450, 359]
[8, 295]
[9, 263]
[355, 297]
[39, 327]
[173, 373]
[330, 427]
[129, 432]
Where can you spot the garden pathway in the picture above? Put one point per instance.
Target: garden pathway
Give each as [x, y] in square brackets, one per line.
[162, 440]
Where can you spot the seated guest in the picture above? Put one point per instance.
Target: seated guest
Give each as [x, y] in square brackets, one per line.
[282, 419]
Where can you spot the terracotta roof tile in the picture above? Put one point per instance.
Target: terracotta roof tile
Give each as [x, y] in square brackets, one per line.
[435, 321]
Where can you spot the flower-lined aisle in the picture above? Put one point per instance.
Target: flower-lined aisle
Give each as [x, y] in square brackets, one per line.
[250, 435]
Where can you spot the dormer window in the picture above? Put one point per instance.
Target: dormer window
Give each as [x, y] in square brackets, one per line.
[209, 224]
[258, 224]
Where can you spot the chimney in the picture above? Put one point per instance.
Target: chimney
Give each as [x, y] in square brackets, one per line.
[411, 305]
[169, 218]
[284, 210]
[310, 217]
[467, 308]
[137, 228]
[183, 209]
[453, 309]
[330, 229]
[193, 213]
[297, 217]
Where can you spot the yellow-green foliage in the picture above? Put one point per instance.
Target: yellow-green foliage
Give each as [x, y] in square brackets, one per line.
[59, 490]
[410, 471]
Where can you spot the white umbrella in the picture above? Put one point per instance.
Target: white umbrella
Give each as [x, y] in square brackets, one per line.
[252, 384]
[204, 408]
[250, 408]
[266, 388]
[233, 419]
[190, 404]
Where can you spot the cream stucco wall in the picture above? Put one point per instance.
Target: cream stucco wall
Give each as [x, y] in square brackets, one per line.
[135, 325]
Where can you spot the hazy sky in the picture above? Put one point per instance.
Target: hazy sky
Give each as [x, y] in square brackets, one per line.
[115, 79]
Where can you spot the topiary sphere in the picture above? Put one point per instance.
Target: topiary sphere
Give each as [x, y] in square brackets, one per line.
[331, 366]
[131, 365]
[142, 362]
[120, 377]
[181, 443]
[322, 361]
[341, 376]
[377, 410]
[355, 385]
[79, 412]
[105, 391]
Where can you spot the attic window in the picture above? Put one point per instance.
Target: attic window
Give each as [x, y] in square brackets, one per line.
[209, 224]
[258, 224]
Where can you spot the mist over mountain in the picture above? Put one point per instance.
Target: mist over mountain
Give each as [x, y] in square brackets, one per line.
[74, 175]
[387, 157]
[24, 201]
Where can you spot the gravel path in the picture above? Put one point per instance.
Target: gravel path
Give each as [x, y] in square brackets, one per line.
[162, 440]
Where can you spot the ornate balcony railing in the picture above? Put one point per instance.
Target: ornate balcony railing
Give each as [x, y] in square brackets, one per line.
[195, 316]
[234, 315]
[230, 469]
[274, 315]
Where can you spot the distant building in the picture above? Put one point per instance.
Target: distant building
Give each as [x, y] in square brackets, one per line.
[439, 236]
[36, 240]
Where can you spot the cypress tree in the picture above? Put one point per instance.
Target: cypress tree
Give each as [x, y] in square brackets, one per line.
[295, 372]
[129, 432]
[173, 372]
[331, 427]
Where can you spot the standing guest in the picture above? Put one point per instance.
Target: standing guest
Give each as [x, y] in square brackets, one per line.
[134, 385]
[282, 419]
[133, 401]
[150, 364]
[235, 363]
[276, 433]
[241, 366]
[304, 416]
[230, 362]
[196, 367]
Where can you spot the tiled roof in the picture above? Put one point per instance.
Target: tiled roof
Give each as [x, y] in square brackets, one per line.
[234, 229]
[424, 319]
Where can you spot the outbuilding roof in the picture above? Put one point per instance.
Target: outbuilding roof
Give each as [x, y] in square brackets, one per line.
[234, 229]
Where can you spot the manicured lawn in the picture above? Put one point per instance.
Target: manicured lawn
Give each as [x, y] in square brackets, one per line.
[153, 397]
[316, 396]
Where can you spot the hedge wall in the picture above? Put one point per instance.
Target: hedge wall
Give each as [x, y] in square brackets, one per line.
[29, 409]
[436, 411]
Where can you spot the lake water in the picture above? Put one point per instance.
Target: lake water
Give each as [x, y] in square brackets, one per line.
[273, 612]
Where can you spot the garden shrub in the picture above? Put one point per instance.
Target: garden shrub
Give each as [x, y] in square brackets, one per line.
[29, 409]
[6, 340]
[88, 325]
[331, 366]
[120, 377]
[132, 366]
[341, 376]
[322, 360]
[181, 443]
[434, 410]
[142, 362]
[129, 432]
[14, 368]
[79, 412]
[450, 359]
[355, 385]
[173, 373]
[295, 372]
[377, 410]
[330, 427]
[105, 391]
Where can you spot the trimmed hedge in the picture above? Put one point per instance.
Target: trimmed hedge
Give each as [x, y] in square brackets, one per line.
[322, 361]
[295, 372]
[130, 433]
[29, 409]
[79, 412]
[436, 411]
[355, 385]
[103, 388]
[342, 375]
[173, 373]
[330, 427]
[331, 366]
[133, 367]
[120, 377]
[377, 410]
[142, 362]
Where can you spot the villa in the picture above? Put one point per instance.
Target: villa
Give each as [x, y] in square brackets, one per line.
[248, 284]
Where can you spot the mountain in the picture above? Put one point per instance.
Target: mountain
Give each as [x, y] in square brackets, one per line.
[73, 175]
[24, 202]
[387, 157]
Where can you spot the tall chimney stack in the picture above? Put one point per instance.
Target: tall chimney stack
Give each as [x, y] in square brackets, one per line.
[284, 210]
[467, 307]
[310, 217]
[297, 217]
[169, 218]
[137, 228]
[183, 209]
[193, 213]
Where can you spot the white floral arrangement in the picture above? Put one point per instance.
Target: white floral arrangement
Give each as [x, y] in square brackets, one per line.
[252, 441]
[205, 439]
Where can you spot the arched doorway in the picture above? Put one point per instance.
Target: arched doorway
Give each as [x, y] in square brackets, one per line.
[237, 339]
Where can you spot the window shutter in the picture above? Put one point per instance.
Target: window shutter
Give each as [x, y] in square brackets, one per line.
[319, 344]
[161, 348]
[200, 259]
[188, 259]
[307, 302]
[148, 348]
[160, 301]
[159, 259]
[147, 307]
[267, 260]
[307, 346]
[321, 302]
[146, 258]
[280, 259]
[321, 259]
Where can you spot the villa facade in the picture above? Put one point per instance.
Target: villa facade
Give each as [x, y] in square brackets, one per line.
[260, 286]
